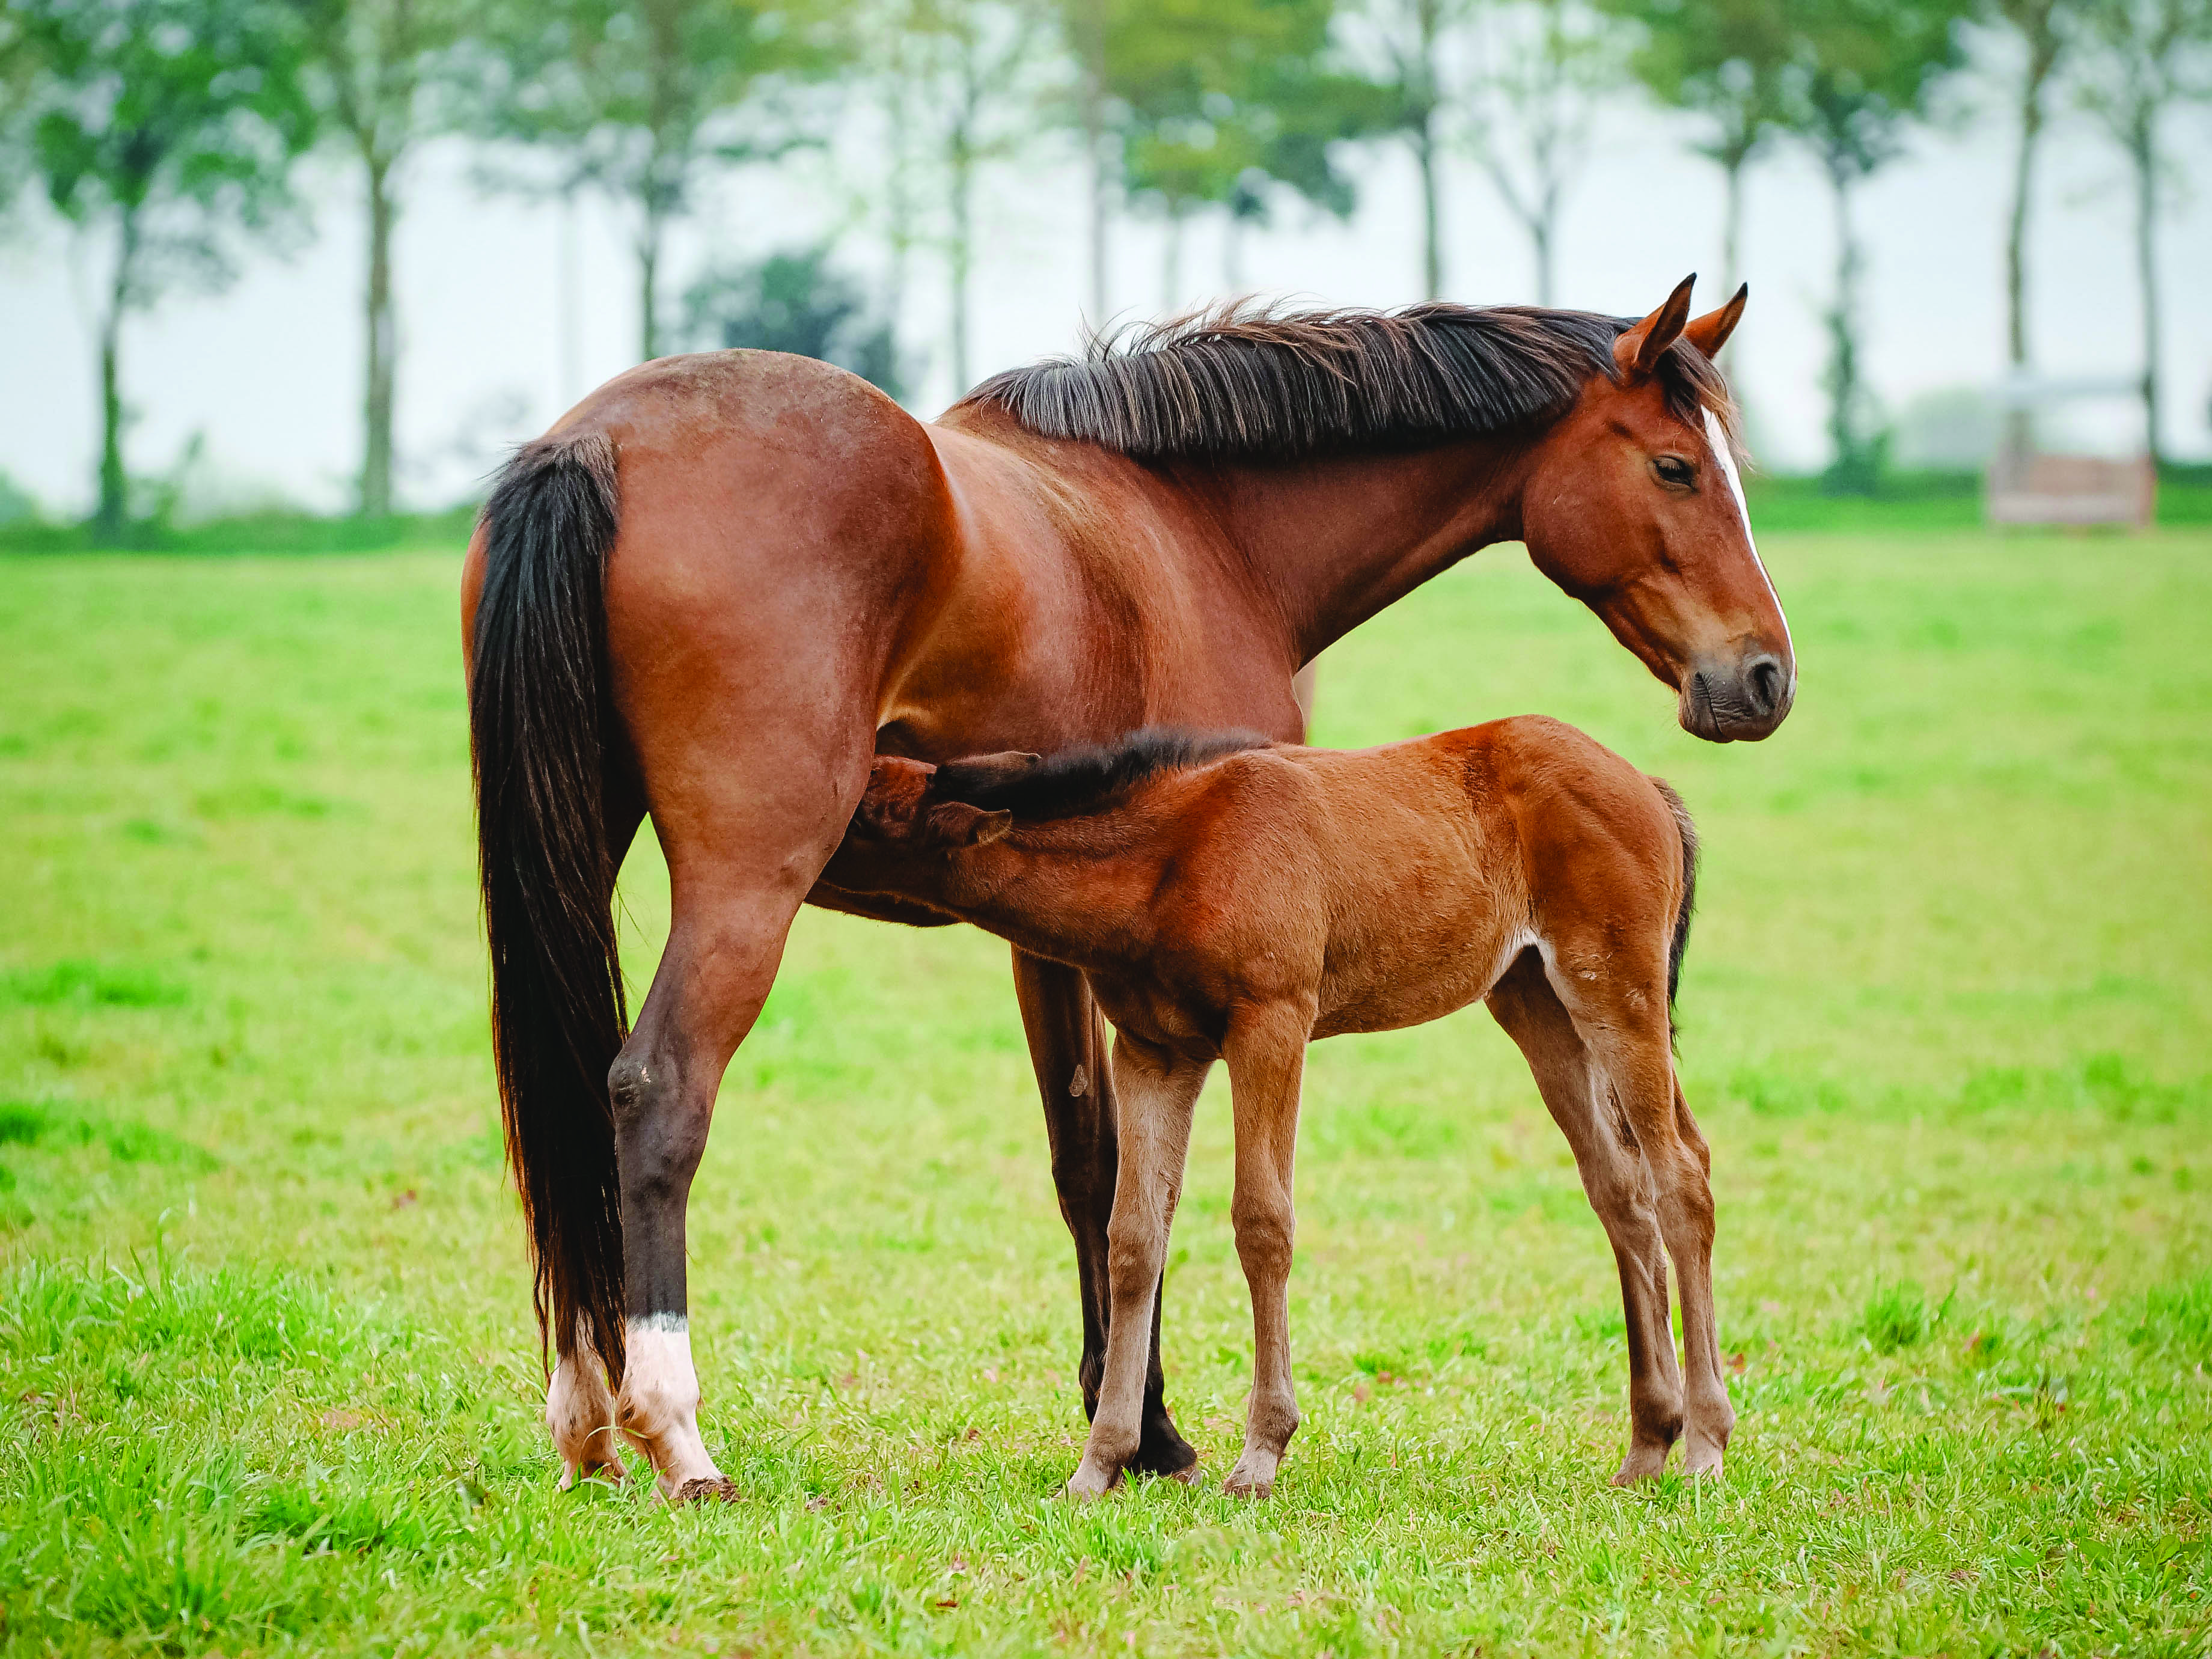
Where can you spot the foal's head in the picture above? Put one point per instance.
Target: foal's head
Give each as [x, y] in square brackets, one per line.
[1633, 506]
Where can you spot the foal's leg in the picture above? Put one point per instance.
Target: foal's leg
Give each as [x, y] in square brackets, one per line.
[1625, 1026]
[1075, 1073]
[1156, 1093]
[1619, 1190]
[1266, 1051]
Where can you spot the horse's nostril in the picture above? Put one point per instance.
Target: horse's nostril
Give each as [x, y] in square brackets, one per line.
[1767, 685]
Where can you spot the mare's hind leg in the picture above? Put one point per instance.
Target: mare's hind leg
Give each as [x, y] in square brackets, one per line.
[1075, 1076]
[723, 950]
[1619, 1189]
[579, 1413]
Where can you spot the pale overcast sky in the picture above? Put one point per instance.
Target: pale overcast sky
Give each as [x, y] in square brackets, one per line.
[269, 370]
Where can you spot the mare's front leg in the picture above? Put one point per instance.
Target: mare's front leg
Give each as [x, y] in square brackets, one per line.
[1619, 1186]
[1068, 1049]
[1156, 1094]
[1266, 1049]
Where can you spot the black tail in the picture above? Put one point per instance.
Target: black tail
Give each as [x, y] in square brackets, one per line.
[1680, 942]
[538, 711]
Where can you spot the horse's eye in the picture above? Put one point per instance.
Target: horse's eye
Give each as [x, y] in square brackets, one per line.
[1673, 470]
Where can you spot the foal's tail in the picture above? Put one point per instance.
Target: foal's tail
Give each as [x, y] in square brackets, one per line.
[538, 715]
[1680, 944]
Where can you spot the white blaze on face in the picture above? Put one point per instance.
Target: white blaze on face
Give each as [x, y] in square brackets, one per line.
[1724, 457]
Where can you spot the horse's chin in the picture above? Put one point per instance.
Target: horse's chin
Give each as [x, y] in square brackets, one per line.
[1738, 706]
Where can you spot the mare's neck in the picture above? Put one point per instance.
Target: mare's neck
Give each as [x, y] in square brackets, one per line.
[1336, 538]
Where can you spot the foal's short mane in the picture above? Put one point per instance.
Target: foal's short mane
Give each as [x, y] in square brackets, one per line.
[1245, 381]
[1079, 781]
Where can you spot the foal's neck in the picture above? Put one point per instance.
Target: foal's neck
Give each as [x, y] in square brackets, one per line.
[1075, 889]
[1337, 539]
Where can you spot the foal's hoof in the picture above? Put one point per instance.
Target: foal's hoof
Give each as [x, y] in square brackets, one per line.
[1092, 1481]
[1703, 1465]
[1642, 1463]
[715, 1489]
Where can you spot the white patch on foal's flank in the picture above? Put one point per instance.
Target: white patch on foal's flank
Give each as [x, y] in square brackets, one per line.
[1717, 436]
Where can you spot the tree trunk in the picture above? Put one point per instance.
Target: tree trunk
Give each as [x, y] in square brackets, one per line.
[1852, 470]
[113, 514]
[1093, 145]
[1432, 245]
[1232, 256]
[648, 268]
[1539, 235]
[2019, 423]
[1171, 263]
[2143, 148]
[961, 252]
[1732, 226]
[383, 346]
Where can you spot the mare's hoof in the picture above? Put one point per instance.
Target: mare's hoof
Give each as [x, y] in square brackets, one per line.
[1248, 1486]
[1092, 1481]
[706, 1489]
[1188, 1476]
[1642, 1463]
[1703, 1466]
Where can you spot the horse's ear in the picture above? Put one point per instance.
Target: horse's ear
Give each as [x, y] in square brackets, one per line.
[955, 823]
[895, 786]
[1709, 333]
[1638, 351]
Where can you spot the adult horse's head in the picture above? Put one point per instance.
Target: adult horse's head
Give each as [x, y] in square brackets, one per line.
[1633, 506]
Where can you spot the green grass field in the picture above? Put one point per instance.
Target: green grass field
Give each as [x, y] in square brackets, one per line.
[266, 1363]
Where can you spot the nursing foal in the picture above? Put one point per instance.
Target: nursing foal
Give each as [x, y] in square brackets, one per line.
[1228, 899]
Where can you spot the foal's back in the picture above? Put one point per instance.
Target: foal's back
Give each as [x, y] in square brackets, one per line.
[1408, 878]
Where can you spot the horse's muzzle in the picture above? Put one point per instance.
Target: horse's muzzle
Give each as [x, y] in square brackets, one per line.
[1738, 702]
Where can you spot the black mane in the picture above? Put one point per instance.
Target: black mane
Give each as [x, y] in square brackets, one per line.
[1085, 779]
[1255, 384]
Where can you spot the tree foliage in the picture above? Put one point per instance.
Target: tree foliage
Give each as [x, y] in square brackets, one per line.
[166, 125]
[643, 99]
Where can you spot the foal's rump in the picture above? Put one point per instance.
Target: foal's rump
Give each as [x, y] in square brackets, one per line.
[1609, 852]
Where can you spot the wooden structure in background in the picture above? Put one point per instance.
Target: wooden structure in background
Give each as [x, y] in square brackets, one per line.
[2027, 486]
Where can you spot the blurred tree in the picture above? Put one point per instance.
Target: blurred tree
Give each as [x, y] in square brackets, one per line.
[1544, 66]
[163, 124]
[643, 99]
[1723, 60]
[2140, 58]
[795, 303]
[1086, 29]
[1860, 74]
[378, 65]
[19, 80]
[981, 64]
[1221, 100]
[1410, 48]
[2041, 29]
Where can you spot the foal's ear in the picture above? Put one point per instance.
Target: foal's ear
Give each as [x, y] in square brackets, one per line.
[955, 823]
[1709, 333]
[1637, 352]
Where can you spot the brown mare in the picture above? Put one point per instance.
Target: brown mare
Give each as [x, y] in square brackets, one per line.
[1228, 900]
[722, 584]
